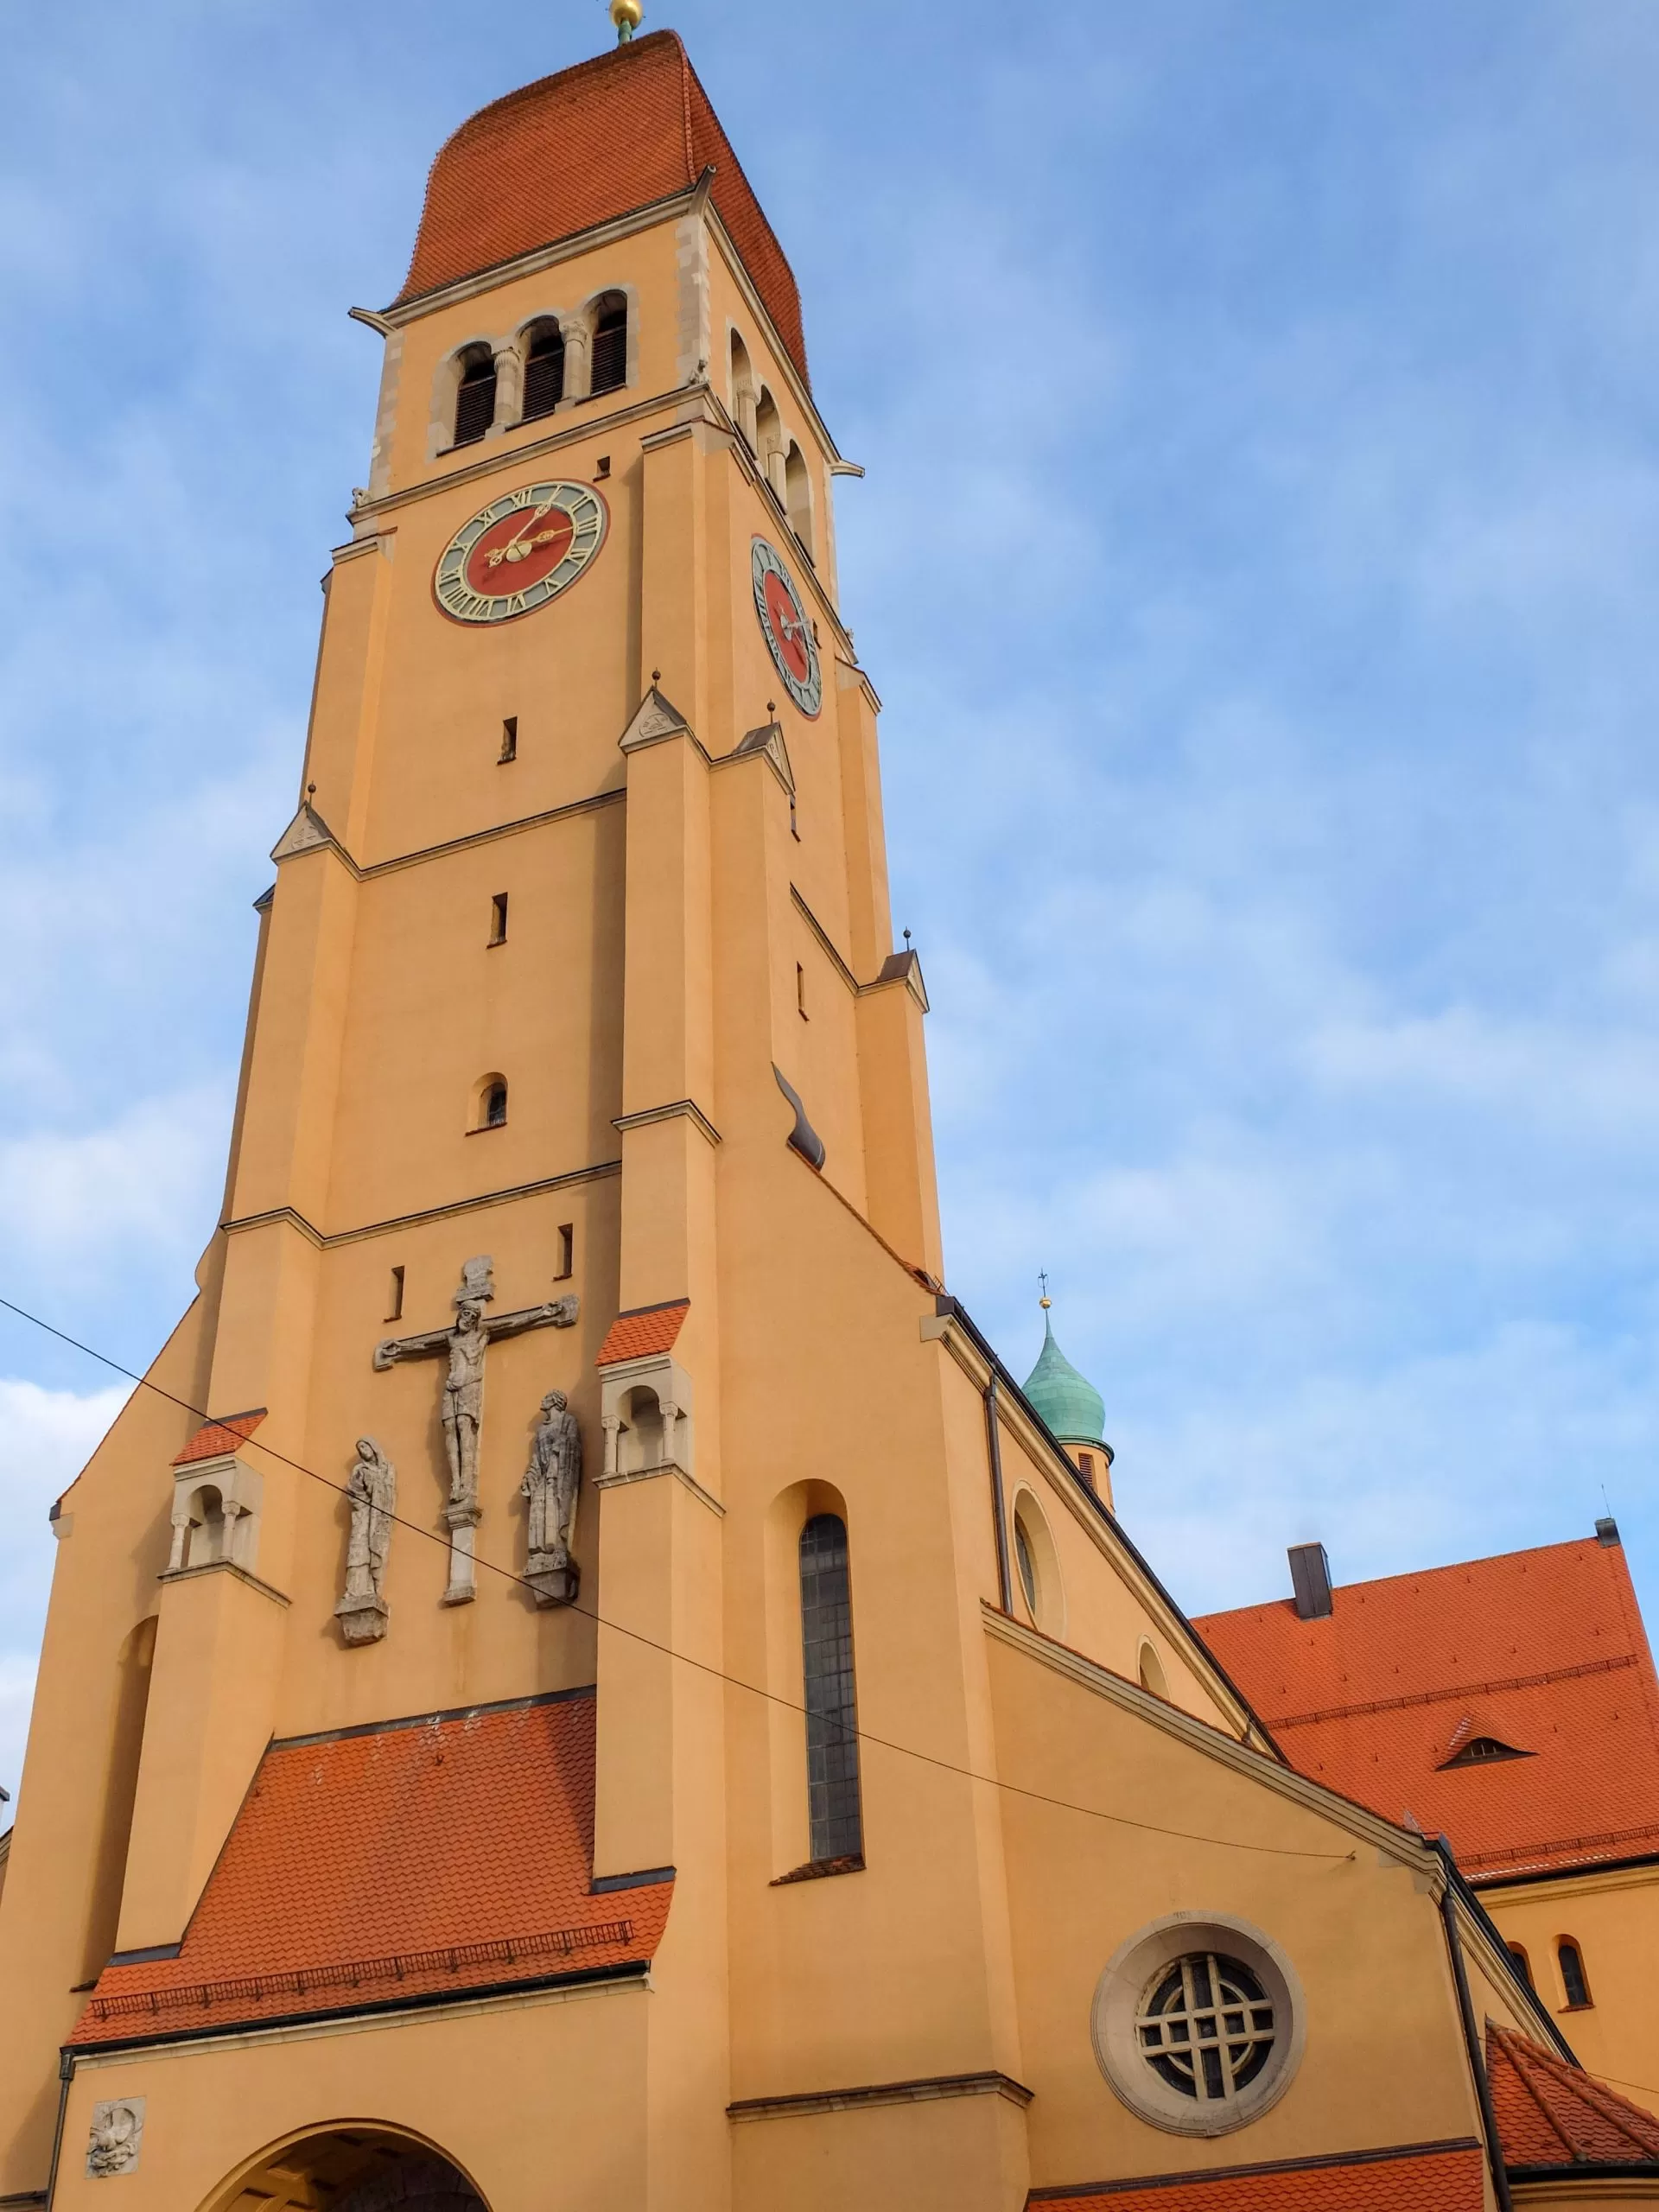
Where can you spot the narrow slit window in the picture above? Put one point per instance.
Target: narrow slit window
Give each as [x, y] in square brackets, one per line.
[509, 739]
[1522, 1963]
[475, 399]
[567, 1251]
[832, 1787]
[800, 990]
[610, 347]
[1571, 1960]
[499, 919]
[395, 1296]
[544, 372]
[1086, 1467]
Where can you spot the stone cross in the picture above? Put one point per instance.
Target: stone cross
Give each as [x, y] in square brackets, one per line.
[464, 1345]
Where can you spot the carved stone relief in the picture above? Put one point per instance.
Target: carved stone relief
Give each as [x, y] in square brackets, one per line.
[116, 2137]
[463, 1346]
[552, 1482]
[372, 1489]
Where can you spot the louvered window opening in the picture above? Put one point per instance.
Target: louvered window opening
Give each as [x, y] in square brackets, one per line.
[475, 403]
[831, 1705]
[611, 350]
[1480, 1749]
[544, 374]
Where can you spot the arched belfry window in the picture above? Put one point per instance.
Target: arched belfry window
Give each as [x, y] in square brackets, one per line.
[832, 1791]
[610, 355]
[798, 497]
[743, 399]
[475, 396]
[543, 370]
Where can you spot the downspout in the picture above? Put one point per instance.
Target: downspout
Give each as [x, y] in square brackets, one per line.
[66, 2075]
[1471, 2036]
[994, 1440]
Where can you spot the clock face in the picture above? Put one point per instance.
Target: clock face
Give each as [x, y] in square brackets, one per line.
[520, 551]
[787, 631]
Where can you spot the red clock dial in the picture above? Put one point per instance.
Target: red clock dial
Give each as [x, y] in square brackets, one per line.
[787, 627]
[520, 550]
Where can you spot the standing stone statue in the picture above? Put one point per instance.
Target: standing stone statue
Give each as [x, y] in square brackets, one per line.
[551, 1484]
[372, 1489]
[464, 1345]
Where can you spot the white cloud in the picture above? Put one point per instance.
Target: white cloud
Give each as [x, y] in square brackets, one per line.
[46, 1438]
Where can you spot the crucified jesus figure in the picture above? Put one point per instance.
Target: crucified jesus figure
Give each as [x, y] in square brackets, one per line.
[464, 1345]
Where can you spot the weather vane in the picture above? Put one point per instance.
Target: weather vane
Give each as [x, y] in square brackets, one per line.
[627, 16]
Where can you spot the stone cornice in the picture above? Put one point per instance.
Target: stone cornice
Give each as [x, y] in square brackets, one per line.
[804, 2104]
[1397, 1845]
[326, 1241]
[365, 871]
[1101, 1527]
[675, 1110]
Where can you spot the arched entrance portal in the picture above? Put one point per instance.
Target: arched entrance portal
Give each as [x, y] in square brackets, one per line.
[352, 2169]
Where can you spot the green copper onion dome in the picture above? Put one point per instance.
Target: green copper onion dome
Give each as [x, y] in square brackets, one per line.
[1072, 1406]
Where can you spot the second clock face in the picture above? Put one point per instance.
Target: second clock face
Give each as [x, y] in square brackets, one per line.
[787, 631]
[520, 551]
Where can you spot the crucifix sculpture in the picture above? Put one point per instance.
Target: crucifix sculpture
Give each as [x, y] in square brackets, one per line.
[464, 1343]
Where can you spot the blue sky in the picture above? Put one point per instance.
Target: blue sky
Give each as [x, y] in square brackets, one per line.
[1256, 561]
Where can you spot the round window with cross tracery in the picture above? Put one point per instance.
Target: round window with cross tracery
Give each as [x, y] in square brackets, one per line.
[1198, 2024]
[1206, 2027]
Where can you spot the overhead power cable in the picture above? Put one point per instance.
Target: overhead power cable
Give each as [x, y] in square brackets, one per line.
[684, 1658]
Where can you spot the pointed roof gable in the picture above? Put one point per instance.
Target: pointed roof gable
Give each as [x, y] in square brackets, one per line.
[1550, 2114]
[630, 127]
[1542, 1650]
[382, 1865]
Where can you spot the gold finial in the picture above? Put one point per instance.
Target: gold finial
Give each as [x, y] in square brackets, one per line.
[627, 16]
[1045, 1301]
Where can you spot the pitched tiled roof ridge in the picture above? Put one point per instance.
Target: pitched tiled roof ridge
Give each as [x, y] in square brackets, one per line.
[1551, 2113]
[584, 146]
[403, 1864]
[1408, 1698]
[642, 1331]
[1402, 2177]
[224, 1434]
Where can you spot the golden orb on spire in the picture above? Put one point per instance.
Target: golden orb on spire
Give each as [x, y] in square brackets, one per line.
[627, 16]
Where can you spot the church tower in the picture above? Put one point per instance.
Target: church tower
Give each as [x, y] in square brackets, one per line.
[581, 1681]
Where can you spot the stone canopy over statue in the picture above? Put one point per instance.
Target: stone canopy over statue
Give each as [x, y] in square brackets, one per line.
[464, 1345]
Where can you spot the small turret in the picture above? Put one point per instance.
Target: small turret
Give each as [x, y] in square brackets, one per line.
[1072, 1408]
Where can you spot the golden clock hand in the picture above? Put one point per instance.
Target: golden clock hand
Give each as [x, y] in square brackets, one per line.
[508, 551]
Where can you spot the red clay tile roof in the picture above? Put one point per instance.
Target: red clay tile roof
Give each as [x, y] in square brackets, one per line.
[390, 1864]
[1544, 1651]
[629, 128]
[216, 1437]
[1448, 2177]
[647, 1329]
[1550, 2114]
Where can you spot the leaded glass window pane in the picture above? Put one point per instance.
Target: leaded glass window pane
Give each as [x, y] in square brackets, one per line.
[831, 1708]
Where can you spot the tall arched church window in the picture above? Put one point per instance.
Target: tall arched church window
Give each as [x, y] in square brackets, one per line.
[610, 356]
[832, 1786]
[475, 396]
[543, 370]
